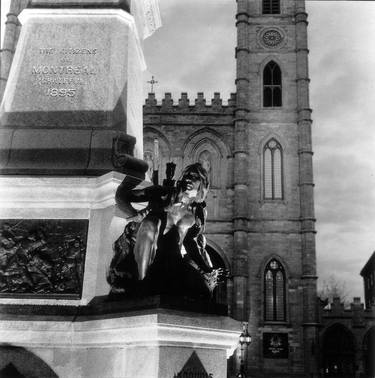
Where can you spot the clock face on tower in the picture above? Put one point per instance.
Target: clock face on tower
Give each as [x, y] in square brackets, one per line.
[272, 38]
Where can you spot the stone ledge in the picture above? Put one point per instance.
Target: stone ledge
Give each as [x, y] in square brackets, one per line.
[58, 192]
[156, 328]
[155, 343]
[104, 307]
[122, 4]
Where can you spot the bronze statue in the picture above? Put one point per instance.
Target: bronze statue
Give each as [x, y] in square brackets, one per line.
[165, 239]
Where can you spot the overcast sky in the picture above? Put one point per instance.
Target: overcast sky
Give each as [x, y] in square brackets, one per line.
[194, 51]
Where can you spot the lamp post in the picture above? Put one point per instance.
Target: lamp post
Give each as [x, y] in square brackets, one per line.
[245, 341]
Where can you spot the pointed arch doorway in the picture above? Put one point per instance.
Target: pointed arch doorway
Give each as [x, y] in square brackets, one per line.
[338, 352]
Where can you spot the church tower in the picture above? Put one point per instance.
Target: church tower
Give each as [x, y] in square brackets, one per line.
[274, 237]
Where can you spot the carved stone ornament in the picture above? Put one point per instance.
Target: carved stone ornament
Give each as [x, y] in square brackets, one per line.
[272, 38]
[152, 15]
[148, 13]
[43, 257]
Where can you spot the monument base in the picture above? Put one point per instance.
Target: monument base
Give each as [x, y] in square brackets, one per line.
[144, 344]
[52, 225]
[57, 236]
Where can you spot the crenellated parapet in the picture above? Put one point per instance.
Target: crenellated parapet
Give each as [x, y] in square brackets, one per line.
[353, 315]
[185, 105]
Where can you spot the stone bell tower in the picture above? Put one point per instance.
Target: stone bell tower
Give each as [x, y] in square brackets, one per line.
[274, 237]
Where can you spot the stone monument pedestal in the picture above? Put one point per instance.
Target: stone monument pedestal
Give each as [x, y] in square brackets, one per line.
[144, 344]
[77, 334]
[70, 121]
[84, 210]
[73, 100]
[48, 333]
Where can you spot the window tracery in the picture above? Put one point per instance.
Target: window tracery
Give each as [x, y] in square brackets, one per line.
[272, 94]
[274, 292]
[272, 170]
[271, 6]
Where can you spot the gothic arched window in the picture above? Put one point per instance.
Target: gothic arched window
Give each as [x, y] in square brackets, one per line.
[272, 170]
[274, 292]
[272, 96]
[271, 6]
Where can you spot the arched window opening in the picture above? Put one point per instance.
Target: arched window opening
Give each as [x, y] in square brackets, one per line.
[272, 96]
[338, 352]
[274, 292]
[271, 6]
[10, 371]
[272, 170]
[18, 362]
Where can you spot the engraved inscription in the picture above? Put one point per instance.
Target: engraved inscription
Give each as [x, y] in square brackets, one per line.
[62, 92]
[70, 50]
[47, 51]
[64, 71]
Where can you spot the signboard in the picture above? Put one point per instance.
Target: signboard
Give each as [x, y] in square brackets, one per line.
[275, 345]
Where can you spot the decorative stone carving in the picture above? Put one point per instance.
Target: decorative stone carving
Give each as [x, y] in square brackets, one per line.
[152, 16]
[147, 16]
[271, 37]
[42, 257]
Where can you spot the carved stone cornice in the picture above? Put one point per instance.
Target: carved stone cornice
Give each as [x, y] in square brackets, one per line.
[147, 14]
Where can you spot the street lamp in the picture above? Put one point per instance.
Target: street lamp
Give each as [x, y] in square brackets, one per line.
[245, 341]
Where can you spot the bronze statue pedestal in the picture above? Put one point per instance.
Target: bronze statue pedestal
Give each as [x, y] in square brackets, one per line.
[108, 340]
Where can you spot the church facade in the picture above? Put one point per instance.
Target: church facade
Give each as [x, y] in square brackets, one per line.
[260, 207]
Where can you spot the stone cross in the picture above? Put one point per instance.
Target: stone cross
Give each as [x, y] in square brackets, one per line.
[152, 82]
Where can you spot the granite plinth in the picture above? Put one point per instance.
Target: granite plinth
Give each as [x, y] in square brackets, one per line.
[139, 344]
[74, 88]
[145, 12]
[68, 152]
[70, 63]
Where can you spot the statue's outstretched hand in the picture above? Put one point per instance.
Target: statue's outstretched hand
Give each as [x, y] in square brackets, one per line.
[215, 277]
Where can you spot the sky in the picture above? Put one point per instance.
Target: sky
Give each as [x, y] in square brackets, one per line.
[194, 52]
